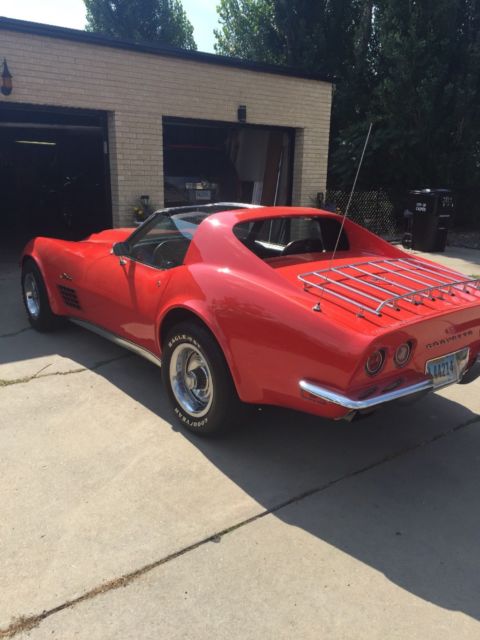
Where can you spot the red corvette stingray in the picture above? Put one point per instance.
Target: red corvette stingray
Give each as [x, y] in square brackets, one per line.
[252, 304]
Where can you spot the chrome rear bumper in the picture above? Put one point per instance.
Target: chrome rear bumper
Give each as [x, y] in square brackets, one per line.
[358, 405]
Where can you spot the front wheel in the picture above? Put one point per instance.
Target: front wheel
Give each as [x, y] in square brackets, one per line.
[198, 381]
[35, 299]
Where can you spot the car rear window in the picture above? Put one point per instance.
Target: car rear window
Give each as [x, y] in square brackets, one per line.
[291, 235]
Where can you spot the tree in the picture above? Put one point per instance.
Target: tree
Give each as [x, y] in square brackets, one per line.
[308, 34]
[425, 99]
[247, 31]
[162, 21]
[412, 67]
[335, 37]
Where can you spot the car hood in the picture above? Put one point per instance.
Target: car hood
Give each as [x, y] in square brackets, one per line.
[110, 236]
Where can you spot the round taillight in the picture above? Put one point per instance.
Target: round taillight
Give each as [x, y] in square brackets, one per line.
[375, 362]
[402, 354]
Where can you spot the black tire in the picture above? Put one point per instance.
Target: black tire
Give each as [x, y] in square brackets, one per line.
[40, 314]
[219, 407]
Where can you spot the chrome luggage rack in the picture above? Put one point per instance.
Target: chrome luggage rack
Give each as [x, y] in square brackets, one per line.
[374, 285]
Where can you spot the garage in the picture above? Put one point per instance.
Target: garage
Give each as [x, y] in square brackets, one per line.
[214, 162]
[89, 124]
[53, 172]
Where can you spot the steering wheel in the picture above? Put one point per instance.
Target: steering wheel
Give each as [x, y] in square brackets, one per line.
[170, 253]
[160, 256]
[304, 245]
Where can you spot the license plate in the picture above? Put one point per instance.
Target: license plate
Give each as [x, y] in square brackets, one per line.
[447, 369]
[203, 195]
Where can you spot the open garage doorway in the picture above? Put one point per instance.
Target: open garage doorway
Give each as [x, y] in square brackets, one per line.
[53, 173]
[223, 162]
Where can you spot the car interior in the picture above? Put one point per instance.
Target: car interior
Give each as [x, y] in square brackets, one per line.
[164, 254]
[164, 240]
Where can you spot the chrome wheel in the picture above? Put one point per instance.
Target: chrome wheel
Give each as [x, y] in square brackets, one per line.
[32, 295]
[191, 380]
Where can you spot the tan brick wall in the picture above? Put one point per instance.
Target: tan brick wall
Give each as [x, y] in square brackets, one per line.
[137, 89]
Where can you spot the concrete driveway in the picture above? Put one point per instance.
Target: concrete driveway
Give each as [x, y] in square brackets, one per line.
[115, 524]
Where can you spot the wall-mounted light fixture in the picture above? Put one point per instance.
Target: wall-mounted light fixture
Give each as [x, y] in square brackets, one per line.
[242, 113]
[6, 80]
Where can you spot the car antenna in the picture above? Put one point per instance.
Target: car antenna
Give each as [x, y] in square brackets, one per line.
[353, 190]
[332, 257]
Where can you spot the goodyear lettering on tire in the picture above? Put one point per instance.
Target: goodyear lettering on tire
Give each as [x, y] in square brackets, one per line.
[198, 424]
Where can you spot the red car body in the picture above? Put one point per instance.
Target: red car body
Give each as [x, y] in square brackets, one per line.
[291, 336]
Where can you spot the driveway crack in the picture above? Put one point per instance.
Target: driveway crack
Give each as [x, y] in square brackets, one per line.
[15, 333]
[37, 376]
[27, 623]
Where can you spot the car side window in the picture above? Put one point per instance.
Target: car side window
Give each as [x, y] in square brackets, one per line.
[163, 242]
[163, 253]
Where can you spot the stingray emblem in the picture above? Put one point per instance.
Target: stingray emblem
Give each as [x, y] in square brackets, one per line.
[450, 339]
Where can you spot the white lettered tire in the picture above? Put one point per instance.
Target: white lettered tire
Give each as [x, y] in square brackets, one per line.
[198, 381]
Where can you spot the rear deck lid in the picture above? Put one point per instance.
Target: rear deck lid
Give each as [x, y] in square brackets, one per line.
[381, 291]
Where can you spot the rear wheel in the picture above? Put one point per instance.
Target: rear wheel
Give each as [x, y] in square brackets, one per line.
[35, 299]
[198, 381]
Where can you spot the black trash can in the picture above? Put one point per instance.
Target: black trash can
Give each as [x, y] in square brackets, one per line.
[407, 239]
[433, 211]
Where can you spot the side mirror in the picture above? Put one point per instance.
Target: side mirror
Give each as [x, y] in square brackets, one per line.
[121, 249]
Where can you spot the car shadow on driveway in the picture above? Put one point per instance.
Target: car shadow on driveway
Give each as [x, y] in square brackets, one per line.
[398, 491]
[412, 515]
[392, 490]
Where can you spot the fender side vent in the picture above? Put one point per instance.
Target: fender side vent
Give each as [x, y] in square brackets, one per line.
[69, 296]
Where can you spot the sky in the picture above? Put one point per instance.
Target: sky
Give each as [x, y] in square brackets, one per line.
[71, 13]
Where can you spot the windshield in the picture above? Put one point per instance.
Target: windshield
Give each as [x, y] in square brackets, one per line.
[183, 224]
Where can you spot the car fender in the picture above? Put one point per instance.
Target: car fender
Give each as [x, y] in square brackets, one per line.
[37, 251]
[201, 310]
[250, 319]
